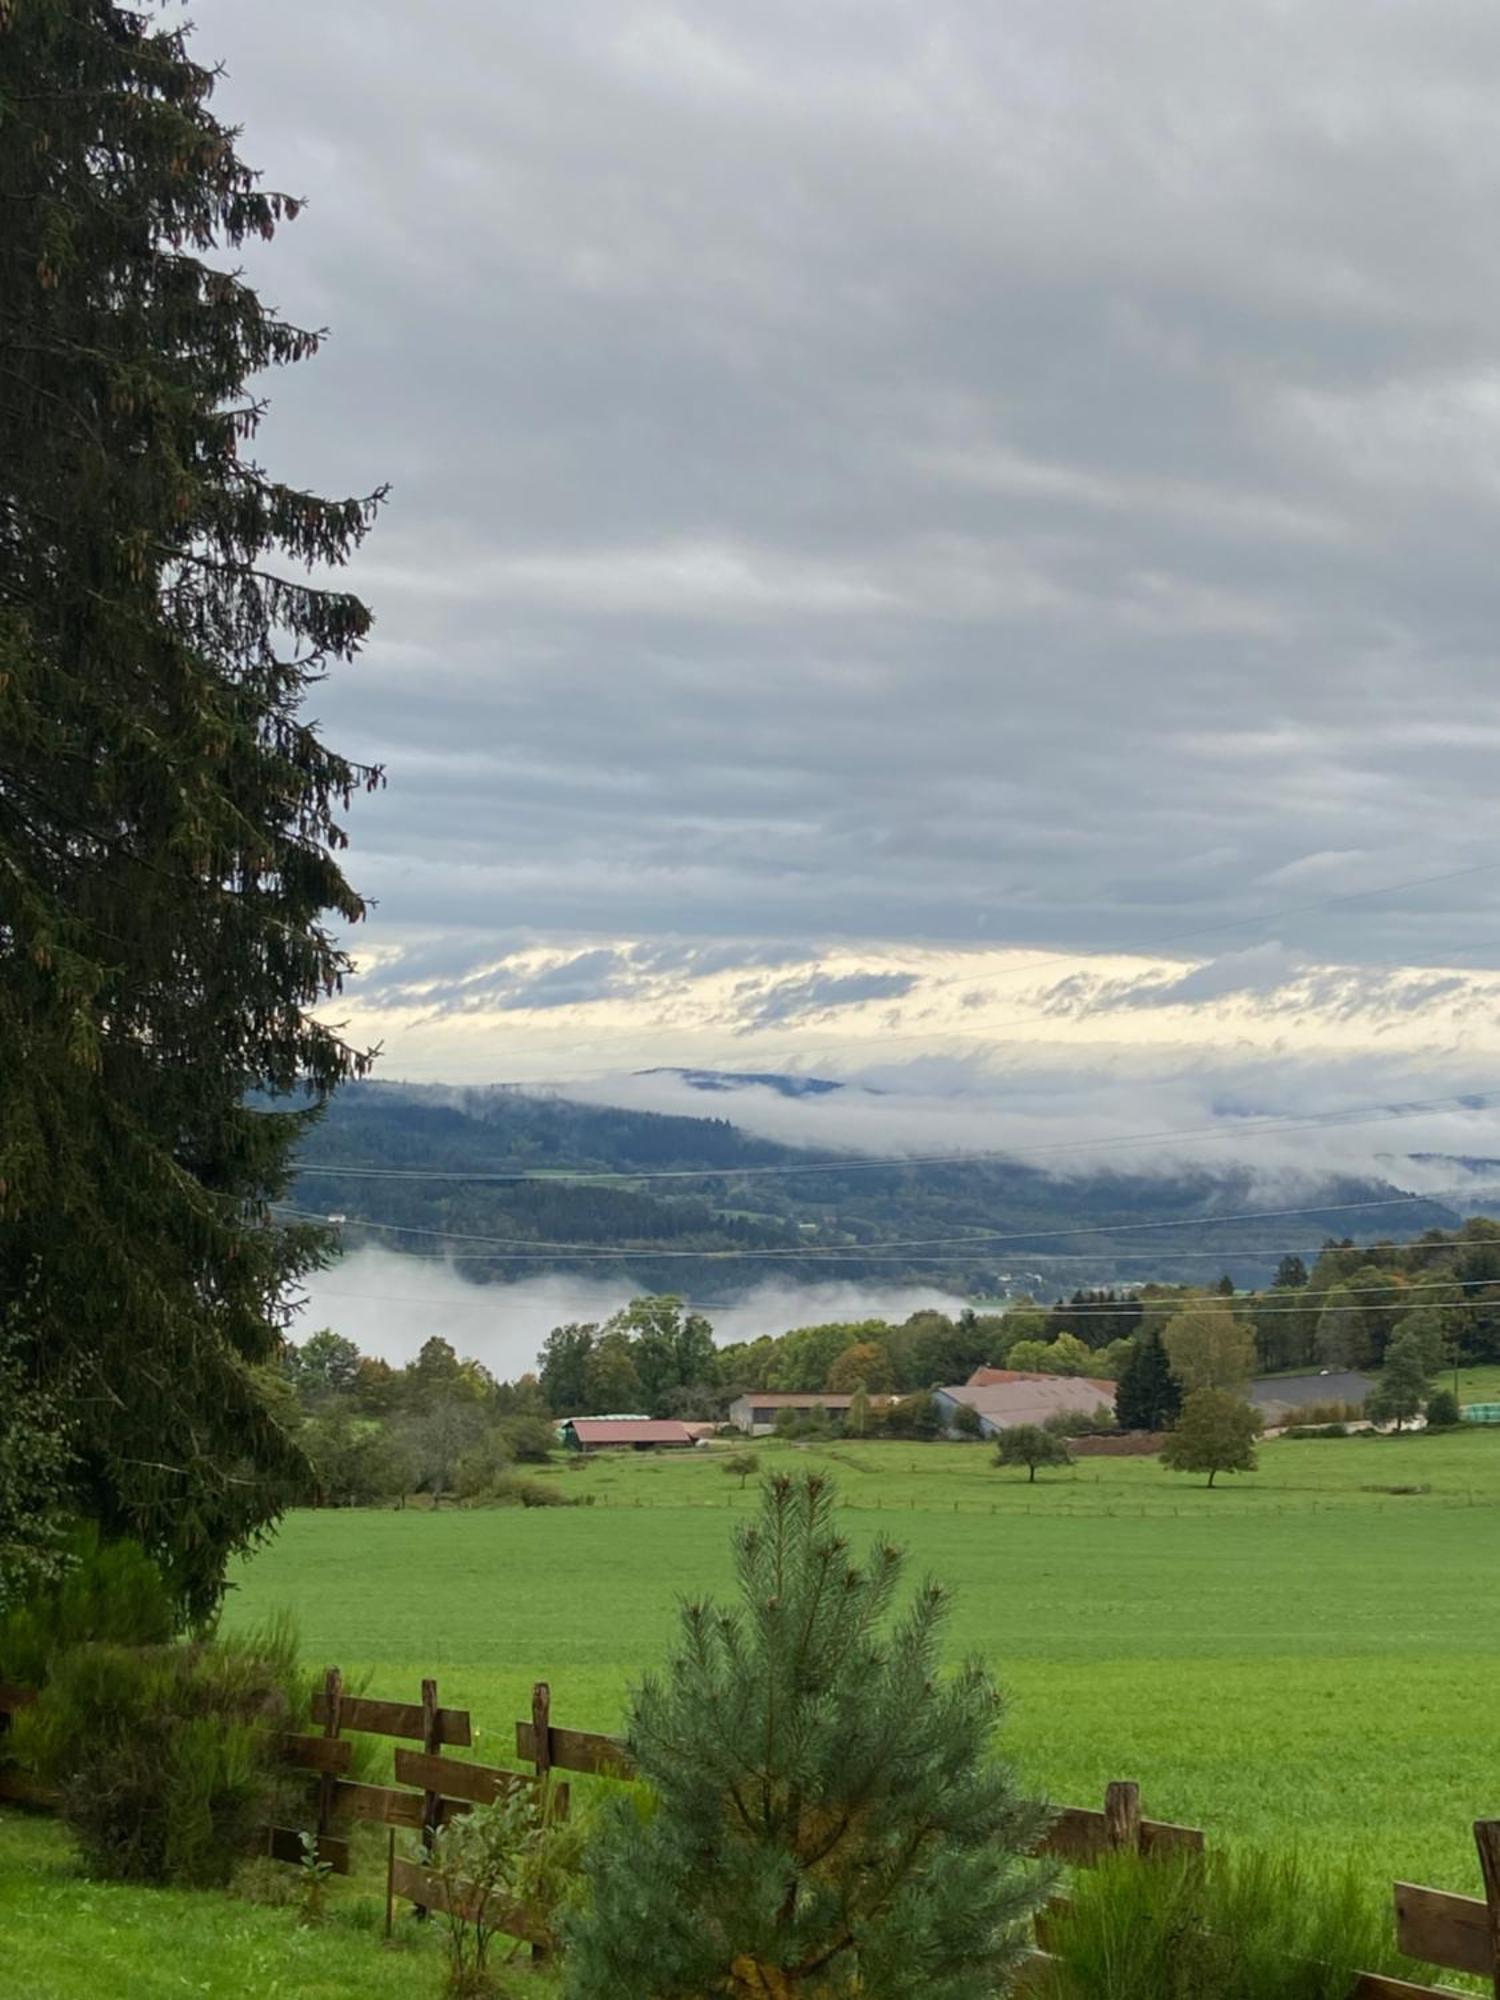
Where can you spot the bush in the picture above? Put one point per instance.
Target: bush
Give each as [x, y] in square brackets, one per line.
[105, 1591]
[1330, 1413]
[513, 1489]
[529, 1440]
[1443, 1412]
[1244, 1927]
[164, 1755]
[1318, 1431]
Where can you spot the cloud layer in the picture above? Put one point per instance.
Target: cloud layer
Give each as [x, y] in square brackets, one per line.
[902, 477]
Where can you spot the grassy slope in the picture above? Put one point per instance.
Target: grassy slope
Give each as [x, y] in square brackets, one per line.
[1289, 1656]
[69, 1939]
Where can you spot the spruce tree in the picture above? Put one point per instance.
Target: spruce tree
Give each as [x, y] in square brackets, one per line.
[169, 820]
[829, 1820]
[1148, 1397]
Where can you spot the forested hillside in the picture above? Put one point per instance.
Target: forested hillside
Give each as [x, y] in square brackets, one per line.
[407, 1166]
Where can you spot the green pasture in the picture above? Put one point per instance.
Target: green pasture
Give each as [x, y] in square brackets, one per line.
[66, 1938]
[1302, 1654]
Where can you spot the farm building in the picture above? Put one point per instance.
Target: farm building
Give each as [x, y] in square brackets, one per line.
[631, 1433]
[756, 1411]
[1023, 1398]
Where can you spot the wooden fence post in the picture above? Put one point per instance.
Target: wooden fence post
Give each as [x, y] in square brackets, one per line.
[432, 1802]
[1487, 1840]
[541, 1756]
[333, 1698]
[1122, 1816]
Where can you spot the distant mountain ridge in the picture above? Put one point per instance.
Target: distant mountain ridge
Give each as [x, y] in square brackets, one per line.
[534, 1184]
[729, 1079]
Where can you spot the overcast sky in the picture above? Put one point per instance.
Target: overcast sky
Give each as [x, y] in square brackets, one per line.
[892, 502]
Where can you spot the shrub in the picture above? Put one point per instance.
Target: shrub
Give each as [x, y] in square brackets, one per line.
[1332, 1412]
[828, 1815]
[1442, 1410]
[529, 1440]
[164, 1755]
[513, 1489]
[514, 1854]
[915, 1416]
[1318, 1431]
[104, 1591]
[1244, 1927]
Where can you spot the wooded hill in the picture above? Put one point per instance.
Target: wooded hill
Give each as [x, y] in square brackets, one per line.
[552, 1219]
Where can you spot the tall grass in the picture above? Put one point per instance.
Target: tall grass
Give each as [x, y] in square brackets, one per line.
[1247, 1926]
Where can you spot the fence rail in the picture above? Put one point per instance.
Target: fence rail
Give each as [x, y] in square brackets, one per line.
[1456, 1933]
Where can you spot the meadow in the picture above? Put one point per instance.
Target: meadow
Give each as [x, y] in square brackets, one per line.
[1309, 1653]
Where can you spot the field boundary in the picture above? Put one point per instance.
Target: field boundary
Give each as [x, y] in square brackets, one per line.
[1453, 1932]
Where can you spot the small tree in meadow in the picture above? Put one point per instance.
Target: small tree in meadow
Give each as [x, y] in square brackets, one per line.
[1442, 1410]
[1402, 1389]
[1215, 1433]
[1032, 1446]
[830, 1822]
[741, 1465]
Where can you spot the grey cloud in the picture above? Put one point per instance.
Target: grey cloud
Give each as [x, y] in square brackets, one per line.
[954, 474]
[806, 999]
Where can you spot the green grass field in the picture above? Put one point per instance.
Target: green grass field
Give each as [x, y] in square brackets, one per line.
[1293, 1656]
[66, 1938]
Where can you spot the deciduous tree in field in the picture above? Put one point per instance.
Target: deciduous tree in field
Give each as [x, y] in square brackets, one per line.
[741, 1465]
[1404, 1382]
[1215, 1433]
[169, 817]
[830, 1821]
[1032, 1446]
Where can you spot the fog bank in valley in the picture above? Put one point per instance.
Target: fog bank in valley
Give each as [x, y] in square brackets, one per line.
[389, 1304]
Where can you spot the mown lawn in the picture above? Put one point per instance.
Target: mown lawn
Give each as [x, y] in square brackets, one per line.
[1302, 1654]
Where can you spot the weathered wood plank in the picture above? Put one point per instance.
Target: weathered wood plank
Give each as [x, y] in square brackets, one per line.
[448, 1778]
[22, 1789]
[329, 1754]
[395, 1718]
[1081, 1835]
[1078, 1834]
[1035, 1974]
[1159, 1837]
[1381, 1986]
[1446, 1930]
[1487, 1840]
[578, 1750]
[415, 1884]
[381, 1803]
[284, 1843]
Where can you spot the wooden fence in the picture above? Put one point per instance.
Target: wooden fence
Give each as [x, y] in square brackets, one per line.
[1456, 1933]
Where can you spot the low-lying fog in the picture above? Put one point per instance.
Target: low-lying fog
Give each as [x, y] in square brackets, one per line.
[389, 1304]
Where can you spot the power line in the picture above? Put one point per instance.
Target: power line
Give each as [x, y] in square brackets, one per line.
[989, 1238]
[859, 1162]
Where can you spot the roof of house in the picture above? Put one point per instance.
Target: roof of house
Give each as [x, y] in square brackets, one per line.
[630, 1430]
[991, 1378]
[795, 1399]
[1033, 1395]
